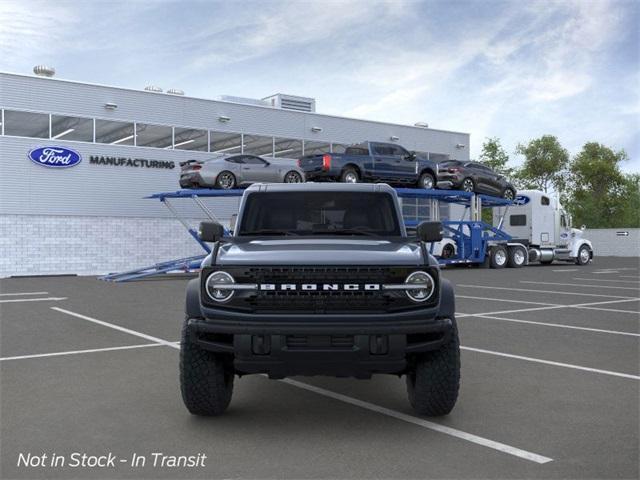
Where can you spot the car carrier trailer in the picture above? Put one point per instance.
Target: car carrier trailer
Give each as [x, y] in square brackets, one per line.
[469, 241]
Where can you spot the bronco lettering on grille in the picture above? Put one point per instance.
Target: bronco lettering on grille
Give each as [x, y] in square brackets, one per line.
[312, 287]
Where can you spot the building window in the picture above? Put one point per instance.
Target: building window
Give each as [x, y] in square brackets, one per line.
[229, 143]
[287, 148]
[190, 139]
[71, 128]
[258, 145]
[114, 133]
[316, 148]
[157, 136]
[26, 124]
[438, 157]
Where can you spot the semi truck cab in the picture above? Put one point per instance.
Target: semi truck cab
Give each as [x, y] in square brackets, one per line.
[539, 222]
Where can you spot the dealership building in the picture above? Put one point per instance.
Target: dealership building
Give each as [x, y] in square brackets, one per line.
[93, 217]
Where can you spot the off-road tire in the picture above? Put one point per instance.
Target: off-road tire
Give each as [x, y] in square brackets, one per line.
[513, 261]
[433, 384]
[205, 381]
[427, 178]
[499, 257]
[348, 173]
[448, 251]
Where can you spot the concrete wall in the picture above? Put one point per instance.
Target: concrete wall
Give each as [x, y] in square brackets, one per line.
[608, 241]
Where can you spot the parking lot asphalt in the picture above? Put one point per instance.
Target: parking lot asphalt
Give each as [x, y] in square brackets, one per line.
[550, 387]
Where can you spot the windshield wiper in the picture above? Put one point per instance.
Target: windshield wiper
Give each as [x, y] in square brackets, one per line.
[269, 231]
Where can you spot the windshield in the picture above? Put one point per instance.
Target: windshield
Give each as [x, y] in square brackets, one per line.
[319, 213]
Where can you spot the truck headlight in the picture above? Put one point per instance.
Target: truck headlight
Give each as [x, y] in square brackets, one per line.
[425, 286]
[215, 286]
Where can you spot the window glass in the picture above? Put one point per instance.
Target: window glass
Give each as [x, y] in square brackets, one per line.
[253, 160]
[158, 136]
[228, 143]
[26, 124]
[190, 139]
[113, 132]
[545, 201]
[320, 213]
[258, 145]
[518, 220]
[399, 151]
[287, 148]
[236, 159]
[314, 148]
[338, 147]
[71, 128]
[563, 221]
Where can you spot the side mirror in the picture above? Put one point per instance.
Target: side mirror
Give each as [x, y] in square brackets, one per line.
[411, 156]
[429, 231]
[210, 231]
[232, 222]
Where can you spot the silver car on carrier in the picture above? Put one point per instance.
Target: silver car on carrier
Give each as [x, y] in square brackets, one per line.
[238, 170]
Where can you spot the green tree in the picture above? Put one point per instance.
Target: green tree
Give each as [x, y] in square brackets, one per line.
[545, 164]
[495, 157]
[599, 195]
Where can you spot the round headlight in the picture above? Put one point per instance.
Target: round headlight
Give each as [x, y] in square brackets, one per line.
[427, 286]
[215, 286]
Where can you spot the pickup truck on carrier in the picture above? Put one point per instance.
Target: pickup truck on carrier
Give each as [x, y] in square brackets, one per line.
[372, 162]
[320, 279]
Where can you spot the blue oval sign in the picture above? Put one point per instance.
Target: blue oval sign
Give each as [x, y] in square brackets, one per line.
[521, 200]
[55, 157]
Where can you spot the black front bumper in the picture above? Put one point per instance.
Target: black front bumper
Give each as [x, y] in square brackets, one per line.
[343, 349]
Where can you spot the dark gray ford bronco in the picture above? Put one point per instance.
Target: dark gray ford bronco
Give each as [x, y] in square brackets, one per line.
[320, 279]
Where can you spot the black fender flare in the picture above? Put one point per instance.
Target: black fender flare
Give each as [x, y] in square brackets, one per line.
[192, 306]
[447, 301]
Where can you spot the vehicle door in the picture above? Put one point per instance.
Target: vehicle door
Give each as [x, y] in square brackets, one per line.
[256, 169]
[384, 161]
[481, 177]
[564, 229]
[404, 166]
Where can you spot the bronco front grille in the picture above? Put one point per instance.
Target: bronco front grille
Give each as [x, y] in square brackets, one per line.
[340, 301]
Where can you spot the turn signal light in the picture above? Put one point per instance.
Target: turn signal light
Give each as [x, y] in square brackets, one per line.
[326, 162]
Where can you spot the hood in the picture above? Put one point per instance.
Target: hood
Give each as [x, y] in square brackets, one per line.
[316, 251]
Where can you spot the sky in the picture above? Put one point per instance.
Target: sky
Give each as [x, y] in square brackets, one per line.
[515, 70]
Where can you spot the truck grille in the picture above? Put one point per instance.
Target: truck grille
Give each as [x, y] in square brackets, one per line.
[336, 301]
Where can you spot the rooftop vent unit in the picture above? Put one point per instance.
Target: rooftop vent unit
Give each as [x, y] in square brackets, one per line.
[244, 100]
[175, 91]
[153, 88]
[44, 71]
[421, 124]
[292, 102]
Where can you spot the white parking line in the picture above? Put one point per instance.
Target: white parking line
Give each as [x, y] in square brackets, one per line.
[19, 300]
[567, 270]
[117, 327]
[525, 302]
[76, 352]
[605, 280]
[616, 310]
[22, 293]
[629, 276]
[551, 306]
[549, 362]
[469, 437]
[531, 290]
[582, 285]
[558, 325]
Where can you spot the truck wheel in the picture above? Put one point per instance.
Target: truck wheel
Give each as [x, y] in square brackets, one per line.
[226, 180]
[427, 181]
[433, 384]
[517, 257]
[499, 257]
[508, 194]
[205, 381]
[349, 175]
[584, 255]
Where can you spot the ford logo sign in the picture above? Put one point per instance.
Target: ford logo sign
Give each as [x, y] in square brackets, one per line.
[55, 157]
[521, 200]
